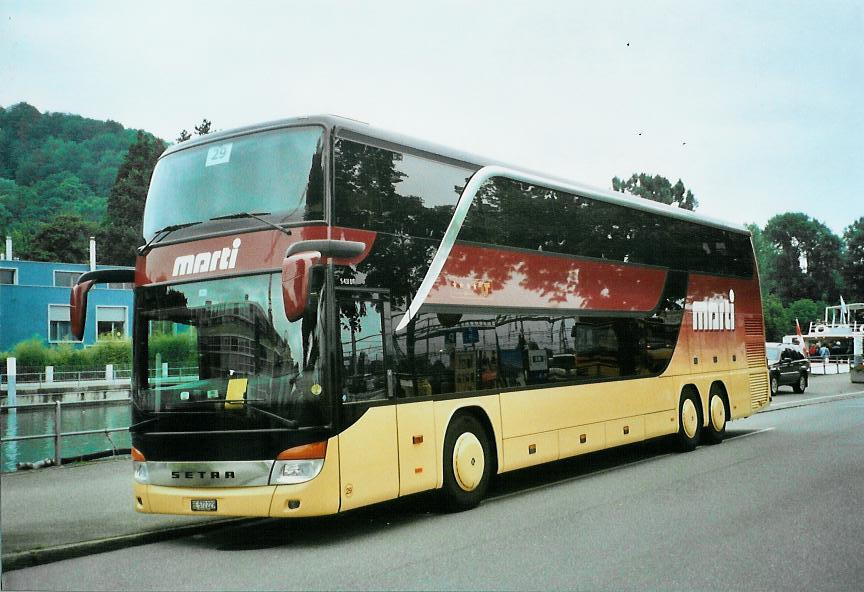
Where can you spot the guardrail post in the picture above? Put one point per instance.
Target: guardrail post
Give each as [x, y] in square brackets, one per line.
[109, 372]
[10, 381]
[12, 413]
[57, 436]
[49, 374]
[858, 350]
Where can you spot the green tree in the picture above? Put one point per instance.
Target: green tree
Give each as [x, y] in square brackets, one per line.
[776, 318]
[853, 261]
[66, 238]
[805, 310]
[807, 260]
[204, 127]
[657, 188]
[201, 129]
[121, 234]
[765, 255]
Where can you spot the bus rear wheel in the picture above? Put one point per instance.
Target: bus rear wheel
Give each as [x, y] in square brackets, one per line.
[467, 463]
[716, 429]
[689, 423]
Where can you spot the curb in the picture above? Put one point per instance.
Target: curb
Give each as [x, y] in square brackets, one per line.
[32, 558]
[817, 401]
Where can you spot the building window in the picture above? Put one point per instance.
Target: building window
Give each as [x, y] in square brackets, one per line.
[59, 325]
[7, 276]
[119, 285]
[110, 321]
[66, 279]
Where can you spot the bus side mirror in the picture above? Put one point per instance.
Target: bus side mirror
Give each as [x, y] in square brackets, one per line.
[299, 292]
[78, 297]
[78, 308]
[303, 272]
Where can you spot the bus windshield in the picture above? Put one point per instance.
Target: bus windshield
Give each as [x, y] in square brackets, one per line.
[274, 172]
[225, 349]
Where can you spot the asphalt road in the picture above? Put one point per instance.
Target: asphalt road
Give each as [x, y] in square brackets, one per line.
[778, 506]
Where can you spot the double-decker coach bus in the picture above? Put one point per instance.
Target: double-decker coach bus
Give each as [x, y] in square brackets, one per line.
[328, 316]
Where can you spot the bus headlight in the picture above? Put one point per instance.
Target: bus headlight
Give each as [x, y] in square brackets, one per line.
[298, 464]
[142, 475]
[295, 471]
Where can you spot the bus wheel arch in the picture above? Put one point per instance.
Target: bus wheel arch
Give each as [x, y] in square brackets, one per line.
[718, 414]
[469, 459]
[690, 416]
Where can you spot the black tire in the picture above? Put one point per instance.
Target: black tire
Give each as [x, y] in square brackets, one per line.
[774, 384]
[689, 428]
[801, 385]
[463, 490]
[718, 412]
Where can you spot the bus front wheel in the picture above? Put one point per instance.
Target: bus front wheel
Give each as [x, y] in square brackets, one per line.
[467, 463]
[689, 422]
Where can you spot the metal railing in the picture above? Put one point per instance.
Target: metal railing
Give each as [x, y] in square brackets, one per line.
[58, 433]
[836, 363]
[821, 329]
[72, 377]
[40, 377]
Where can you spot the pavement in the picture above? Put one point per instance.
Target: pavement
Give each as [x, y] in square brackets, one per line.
[58, 513]
[62, 512]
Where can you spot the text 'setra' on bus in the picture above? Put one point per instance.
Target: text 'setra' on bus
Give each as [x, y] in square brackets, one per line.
[329, 315]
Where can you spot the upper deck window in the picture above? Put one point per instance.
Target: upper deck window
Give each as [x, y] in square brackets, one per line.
[395, 193]
[515, 214]
[275, 173]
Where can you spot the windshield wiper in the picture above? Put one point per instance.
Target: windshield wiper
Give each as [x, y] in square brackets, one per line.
[162, 233]
[256, 215]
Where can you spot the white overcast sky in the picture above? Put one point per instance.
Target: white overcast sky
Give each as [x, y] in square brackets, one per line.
[757, 106]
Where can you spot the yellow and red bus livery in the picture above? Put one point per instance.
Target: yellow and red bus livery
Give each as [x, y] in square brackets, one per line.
[329, 316]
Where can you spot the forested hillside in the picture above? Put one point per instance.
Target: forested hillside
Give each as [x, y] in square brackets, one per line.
[57, 172]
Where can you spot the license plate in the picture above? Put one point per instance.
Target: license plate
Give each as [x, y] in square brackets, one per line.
[203, 505]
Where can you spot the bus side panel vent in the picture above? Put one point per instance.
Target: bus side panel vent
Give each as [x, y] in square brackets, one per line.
[755, 354]
[753, 327]
[758, 390]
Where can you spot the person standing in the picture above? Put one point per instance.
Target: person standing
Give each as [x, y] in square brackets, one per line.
[824, 352]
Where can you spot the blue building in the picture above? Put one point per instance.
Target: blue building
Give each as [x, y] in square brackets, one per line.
[34, 301]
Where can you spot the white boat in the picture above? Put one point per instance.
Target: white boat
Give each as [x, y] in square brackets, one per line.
[838, 329]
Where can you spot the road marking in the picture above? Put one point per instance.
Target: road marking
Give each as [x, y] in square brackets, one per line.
[751, 433]
[801, 402]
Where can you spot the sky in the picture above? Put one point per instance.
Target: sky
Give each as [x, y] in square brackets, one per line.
[757, 106]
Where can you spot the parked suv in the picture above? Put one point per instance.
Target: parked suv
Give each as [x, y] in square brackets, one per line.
[787, 366]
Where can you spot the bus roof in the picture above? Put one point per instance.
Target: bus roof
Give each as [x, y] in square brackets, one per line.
[360, 131]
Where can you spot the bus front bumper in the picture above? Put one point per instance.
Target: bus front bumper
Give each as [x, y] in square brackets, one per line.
[316, 497]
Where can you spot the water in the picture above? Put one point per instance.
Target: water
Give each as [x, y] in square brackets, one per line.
[24, 422]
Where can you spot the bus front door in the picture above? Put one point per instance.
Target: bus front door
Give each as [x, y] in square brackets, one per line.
[368, 455]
